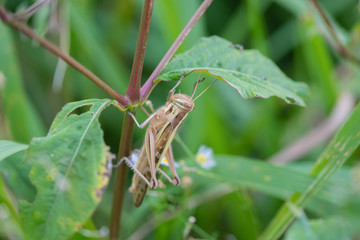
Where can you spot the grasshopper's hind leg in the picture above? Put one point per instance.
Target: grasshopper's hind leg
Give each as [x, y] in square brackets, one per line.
[165, 175]
[170, 157]
[150, 151]
[132, 167]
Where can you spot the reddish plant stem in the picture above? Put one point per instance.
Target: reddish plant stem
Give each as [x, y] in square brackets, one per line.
[120, 176]
[149, 84]
[133, 91]
[24, 29]
[340, 48]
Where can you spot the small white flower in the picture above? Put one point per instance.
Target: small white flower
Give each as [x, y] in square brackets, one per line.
[205, 157]
[165, 162]
[134, 158]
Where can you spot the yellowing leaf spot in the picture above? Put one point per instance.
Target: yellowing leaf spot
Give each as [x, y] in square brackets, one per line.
[256, 168]
[267, 178]
[37, 214]
[61, 222]
[102, 180]
[53, 171]
[358, 134]
[77, 226]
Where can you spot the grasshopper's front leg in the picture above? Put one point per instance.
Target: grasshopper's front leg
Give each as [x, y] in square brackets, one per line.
[141, 126]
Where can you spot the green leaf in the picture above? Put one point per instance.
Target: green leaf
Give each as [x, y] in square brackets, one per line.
[23, 120]
[248, 71]
[334, 228]
[8, 148]
[345, 142]
[10, 220]
[16, 175]
[277, 181]
[70, 170]
[96, 48]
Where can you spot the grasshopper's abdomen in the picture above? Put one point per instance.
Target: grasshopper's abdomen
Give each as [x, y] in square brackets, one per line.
[139, 186]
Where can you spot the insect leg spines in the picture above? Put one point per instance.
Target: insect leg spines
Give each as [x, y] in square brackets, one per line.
[133, 168]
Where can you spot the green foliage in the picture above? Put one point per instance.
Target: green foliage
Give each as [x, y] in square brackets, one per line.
[345, 142]
[330, 228]
[10, 221]
[279, 182]
[250, 73]
[70, 171]
[58, 189]
[8, 148]
[17, 106]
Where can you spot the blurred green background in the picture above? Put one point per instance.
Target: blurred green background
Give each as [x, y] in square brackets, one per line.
[102, 36]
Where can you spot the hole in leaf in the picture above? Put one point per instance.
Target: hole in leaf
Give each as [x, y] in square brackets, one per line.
[80, 110]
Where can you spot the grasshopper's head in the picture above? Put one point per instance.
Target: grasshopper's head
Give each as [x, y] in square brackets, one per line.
[183, 102]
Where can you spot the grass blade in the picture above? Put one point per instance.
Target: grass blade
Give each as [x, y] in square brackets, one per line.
[335, 155]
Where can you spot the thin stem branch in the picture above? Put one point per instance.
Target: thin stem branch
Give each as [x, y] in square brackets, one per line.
[8, 19]
[149, 84]
[133, 91]
[340, 48]
[120, 177]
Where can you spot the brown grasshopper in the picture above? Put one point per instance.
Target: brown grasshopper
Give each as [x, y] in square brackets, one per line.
[163, 126]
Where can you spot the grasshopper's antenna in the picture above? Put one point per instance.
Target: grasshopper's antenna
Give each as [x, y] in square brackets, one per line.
[195, 86]
[205, 90]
